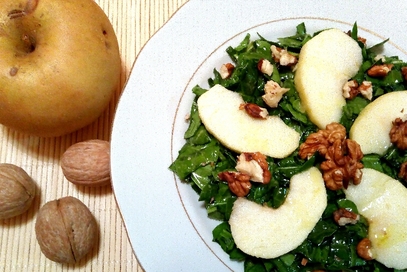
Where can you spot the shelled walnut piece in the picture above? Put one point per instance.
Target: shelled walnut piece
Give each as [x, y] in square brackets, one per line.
[398, 133]
[239, 183]
[282, 56]
[403, 171]
[364, 249]
[254, 110]
[343, 217]
[87, 163]
[226, 70]
[398, 137]
[379, 70]
[360, 39]
[342, 164]
[251, 166]
[342, 156]
[404, 73]
[255, 165]
[352, 88]
[273, 93]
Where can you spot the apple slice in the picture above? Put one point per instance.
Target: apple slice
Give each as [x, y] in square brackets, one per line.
[325, 64]
[219, 111]
[372, 127]
[382, 200]
[265, 232]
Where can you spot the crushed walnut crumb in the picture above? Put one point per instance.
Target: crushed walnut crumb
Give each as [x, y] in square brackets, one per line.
[273, 93]
[403, 171]
[282, 56]
[404, 73]
[265, 67]
[360, 39]
[226, 70]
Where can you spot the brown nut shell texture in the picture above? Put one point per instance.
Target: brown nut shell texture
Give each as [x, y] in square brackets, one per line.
[17, 190]
[87, 163]
[66, 230]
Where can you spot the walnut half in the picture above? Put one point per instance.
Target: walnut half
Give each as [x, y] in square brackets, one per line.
[342, 156]
[398, 136]
[398, 133]
[321, 140]
[239, 183]
[342, 164]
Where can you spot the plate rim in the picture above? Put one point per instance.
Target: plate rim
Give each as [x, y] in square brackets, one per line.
[185, 89]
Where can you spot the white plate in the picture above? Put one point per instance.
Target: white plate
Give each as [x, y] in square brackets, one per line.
[166, 224]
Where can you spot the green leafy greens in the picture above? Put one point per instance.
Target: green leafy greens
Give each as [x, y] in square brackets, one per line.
[329, 246]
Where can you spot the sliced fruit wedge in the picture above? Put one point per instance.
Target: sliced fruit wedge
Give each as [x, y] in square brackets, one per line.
[265, 232]
[219, 111]
[372, 127]
[325, 64]
[382, 200]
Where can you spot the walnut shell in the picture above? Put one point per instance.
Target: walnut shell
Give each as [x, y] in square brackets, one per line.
[66, 230]
[17, 190]
[87, 163]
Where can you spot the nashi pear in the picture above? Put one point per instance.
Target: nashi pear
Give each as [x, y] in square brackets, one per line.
[325, 64]
[265, 232]
[382, 200]
[372, 127]
[219, 111]
[59, 65]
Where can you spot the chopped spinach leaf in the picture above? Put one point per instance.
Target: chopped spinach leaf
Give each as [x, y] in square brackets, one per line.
[329, 246]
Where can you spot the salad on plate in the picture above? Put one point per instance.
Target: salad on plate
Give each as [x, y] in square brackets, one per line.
[298, 149]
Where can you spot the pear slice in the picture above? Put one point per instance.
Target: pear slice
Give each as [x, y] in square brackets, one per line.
[372, 127]
[265, 232]
[382, 200]
[219, 111]
[325, 64]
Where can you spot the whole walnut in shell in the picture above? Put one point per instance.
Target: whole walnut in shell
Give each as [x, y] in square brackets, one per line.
[17, 190]
[87, 163]
[66, 230]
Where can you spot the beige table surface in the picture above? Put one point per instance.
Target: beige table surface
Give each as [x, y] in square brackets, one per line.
[134, 21]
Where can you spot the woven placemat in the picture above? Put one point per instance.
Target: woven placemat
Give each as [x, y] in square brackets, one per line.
[134, 21]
